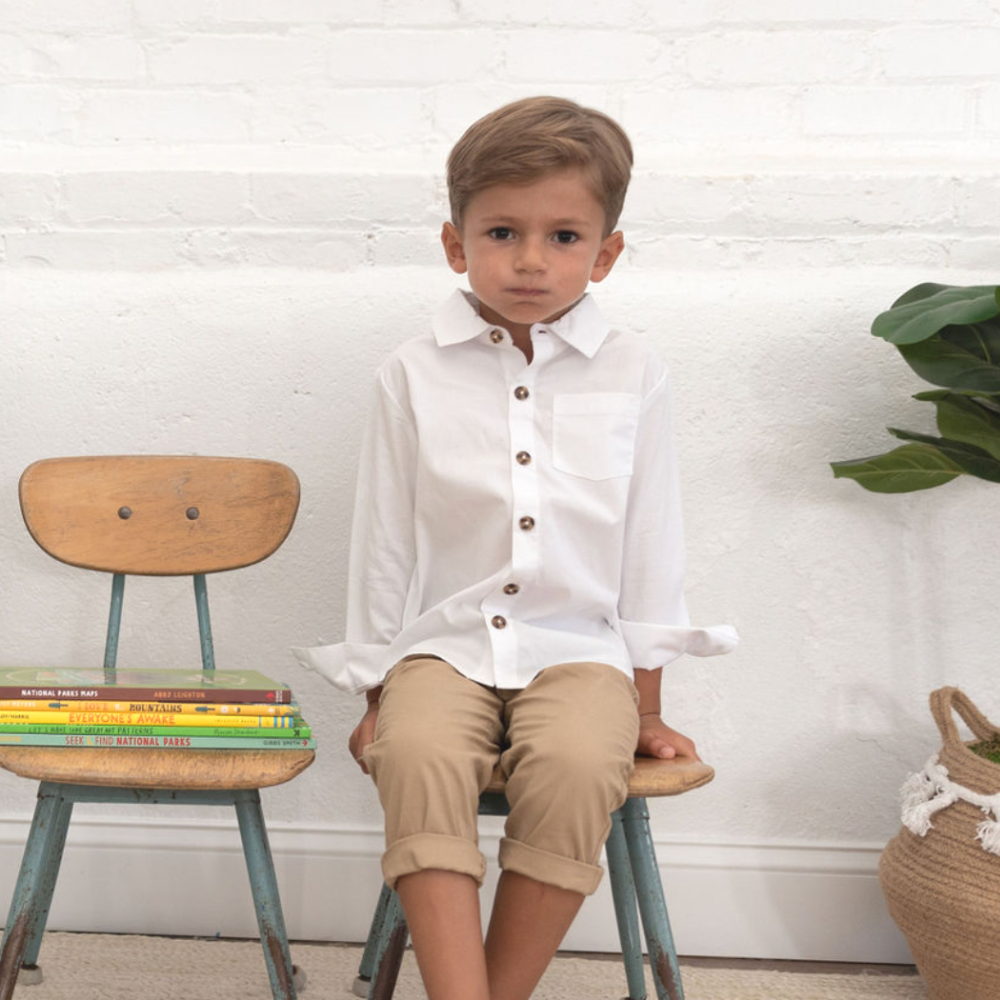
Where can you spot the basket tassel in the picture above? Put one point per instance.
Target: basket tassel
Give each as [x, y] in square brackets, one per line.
[988, 834]
[929, 791]
[924, 794]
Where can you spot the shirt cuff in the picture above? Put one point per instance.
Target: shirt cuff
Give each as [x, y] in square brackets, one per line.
[351, 666]
[652, 646]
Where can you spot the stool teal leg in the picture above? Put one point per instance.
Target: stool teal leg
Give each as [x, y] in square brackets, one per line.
[264, 886]
[652, 907]
[49, 875]
[389, 952]
[36, 868]
[366, 968]
[623, 894]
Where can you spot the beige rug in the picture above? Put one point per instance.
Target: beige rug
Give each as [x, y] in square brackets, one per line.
[114, 967]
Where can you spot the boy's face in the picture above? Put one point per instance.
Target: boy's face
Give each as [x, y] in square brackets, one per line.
[530, 249]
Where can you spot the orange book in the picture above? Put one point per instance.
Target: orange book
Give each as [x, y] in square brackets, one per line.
[150, 719]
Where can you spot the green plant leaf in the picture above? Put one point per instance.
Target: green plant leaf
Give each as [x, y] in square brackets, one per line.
[961, 418]
[924, 291]
[963, 358]
[910, 467]
[926, 309]
[967, 457]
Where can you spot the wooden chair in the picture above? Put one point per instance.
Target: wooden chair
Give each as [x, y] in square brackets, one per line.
[632, 869]
[153, 516]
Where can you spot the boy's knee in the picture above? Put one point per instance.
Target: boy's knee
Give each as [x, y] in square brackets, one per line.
[427, 760]
[571, 781]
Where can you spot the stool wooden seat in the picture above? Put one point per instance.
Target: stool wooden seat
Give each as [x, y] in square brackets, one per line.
[141, 768]
[151, 516]
[651, 778]
[632, 871]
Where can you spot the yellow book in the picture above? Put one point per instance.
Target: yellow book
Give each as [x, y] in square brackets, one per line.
[158, 707]
[149, 719]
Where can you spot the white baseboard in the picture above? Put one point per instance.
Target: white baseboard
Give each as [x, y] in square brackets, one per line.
[187, 877]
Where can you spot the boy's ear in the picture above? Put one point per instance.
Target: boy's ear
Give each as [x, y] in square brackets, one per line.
[610, 250]
[451, 240]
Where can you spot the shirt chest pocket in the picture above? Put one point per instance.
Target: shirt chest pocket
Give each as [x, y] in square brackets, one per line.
[593, 433]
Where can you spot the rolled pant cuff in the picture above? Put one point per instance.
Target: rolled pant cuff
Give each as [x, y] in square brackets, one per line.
[423, 851]
[552, 869]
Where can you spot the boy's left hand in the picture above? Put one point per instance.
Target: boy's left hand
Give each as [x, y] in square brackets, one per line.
[657, 739]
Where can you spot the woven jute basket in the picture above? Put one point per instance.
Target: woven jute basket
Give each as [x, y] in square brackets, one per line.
[941, 873]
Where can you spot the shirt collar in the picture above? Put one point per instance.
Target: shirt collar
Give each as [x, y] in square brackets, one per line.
[457, 321]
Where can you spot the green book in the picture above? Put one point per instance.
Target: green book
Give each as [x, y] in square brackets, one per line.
[243, 733]
[168, 742]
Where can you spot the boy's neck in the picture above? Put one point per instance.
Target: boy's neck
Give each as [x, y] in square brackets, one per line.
[521, 335]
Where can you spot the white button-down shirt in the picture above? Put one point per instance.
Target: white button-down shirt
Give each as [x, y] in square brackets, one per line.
[512, 516]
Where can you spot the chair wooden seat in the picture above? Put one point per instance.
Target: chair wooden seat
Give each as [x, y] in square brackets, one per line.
[651, 778]
[153, 768]
[152, 516]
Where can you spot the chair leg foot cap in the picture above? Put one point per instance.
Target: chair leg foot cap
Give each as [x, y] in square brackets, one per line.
[361, 986]
[298, 978]
[30, 975]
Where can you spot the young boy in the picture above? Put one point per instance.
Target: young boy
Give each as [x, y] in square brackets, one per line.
[516, 564]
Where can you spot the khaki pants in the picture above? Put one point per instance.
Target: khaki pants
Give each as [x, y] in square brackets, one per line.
[566, 743]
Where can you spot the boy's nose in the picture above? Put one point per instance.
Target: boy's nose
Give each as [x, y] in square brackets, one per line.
[531, 256]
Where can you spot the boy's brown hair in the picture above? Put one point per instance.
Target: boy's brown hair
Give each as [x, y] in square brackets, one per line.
[522, 141]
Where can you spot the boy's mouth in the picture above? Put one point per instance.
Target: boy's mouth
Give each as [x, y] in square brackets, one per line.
[527, 292]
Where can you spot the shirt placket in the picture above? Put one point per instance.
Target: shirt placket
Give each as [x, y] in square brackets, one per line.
[500, 608]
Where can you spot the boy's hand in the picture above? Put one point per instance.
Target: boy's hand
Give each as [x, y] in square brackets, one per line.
[363, 734]
[657, 739]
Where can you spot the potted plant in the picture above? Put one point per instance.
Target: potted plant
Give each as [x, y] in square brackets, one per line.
[950, 336]
[940, 874]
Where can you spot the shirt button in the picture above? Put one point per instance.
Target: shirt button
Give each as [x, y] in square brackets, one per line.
[521, 392]
[523, 458]
[526, 523]
[511, 588]
[496, 336]
[499, 621]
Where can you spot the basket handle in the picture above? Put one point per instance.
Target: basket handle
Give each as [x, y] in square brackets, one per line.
[947, 700]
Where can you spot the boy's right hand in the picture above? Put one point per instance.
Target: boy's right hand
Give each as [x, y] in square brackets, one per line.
[363, 734]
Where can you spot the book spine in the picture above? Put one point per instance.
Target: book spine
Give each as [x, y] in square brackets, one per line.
[297, 732]
[160, 707]
[150, 719]
[161, 742]
[115, 692]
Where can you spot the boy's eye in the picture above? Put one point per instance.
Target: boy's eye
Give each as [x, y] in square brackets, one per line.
[500, 233]
[566, 236]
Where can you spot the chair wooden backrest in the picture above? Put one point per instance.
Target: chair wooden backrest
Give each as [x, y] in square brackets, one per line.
[159, 515]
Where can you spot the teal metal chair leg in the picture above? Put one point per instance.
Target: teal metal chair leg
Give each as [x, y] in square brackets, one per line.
[33, 891]
[366, 968]
[392, 937]
[264, 885]
[626, 915]
[652, 906]
[47, 882]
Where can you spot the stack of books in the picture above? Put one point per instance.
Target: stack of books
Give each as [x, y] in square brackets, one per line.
[221, 709]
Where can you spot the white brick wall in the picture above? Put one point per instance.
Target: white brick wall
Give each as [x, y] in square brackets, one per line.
[217, 215]
[351, 90]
